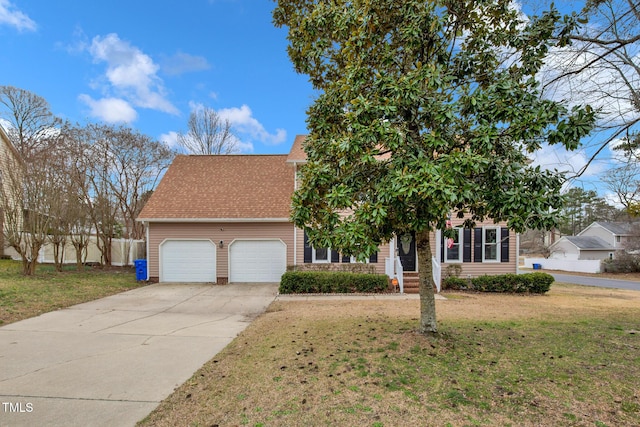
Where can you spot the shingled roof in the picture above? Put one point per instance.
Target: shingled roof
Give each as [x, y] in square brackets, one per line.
[297, 154]
[223, 187]
[589, 243]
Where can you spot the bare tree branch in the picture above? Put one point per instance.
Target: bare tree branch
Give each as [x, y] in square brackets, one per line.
[208, 134]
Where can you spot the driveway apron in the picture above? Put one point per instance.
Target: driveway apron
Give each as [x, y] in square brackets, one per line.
[110, 362]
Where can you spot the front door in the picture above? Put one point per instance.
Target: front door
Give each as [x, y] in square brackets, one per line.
[407, 251]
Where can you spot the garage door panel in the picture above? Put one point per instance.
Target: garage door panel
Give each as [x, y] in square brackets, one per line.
[188, 261]
[257, 260]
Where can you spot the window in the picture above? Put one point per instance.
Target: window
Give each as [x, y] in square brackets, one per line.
[321, 255]
[491, 244]
[617, 239]
[453, 247]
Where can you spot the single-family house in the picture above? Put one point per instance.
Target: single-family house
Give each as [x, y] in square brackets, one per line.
[616, 234]
[227, 219]
[10, 164]
[599, 241]
[581, 248]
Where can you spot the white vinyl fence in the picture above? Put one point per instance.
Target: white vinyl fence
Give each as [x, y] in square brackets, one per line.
[123, 252]
[576, 265]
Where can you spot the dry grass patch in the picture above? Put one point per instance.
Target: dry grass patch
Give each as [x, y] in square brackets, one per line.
[570, 357]
[22, 297]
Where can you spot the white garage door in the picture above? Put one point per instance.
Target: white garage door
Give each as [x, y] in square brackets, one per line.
[187, 261]
[257, 260]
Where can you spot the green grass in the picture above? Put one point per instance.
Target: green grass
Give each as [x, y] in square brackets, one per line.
[22, 297]
[566, 366]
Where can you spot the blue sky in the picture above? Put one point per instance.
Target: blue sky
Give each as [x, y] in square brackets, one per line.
[149, 63]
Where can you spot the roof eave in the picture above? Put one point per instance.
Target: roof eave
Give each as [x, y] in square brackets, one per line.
[203, 220]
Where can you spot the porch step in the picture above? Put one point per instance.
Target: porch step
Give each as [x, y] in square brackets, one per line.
[411, 283]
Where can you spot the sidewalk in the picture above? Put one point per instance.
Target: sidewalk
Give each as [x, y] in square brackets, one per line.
[351, 297]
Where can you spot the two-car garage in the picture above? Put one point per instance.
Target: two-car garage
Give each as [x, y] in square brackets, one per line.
[201, 260]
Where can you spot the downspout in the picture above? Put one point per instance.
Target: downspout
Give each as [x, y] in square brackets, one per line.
[147, 225]
[295, 229]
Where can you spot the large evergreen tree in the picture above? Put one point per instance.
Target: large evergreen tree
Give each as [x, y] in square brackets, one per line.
[425, 109]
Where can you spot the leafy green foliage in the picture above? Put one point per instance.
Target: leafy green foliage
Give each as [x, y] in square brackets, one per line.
[311, 282]
[537, 283]
[425, 109]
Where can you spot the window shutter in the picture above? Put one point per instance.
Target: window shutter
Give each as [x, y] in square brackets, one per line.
[307, 249]
[374, 257]
[335, 256]
[504, 244]
[442, 243]
[466, 245]
[477, 244]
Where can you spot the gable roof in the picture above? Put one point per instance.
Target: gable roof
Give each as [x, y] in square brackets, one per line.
[222, 187]
[588, 243]
[297, 154]
[616, 228]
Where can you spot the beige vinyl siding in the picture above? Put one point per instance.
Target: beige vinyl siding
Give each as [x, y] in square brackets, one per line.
[10, 170]
[472, 269]
[475, 269]
[383, 252]
[227, 232]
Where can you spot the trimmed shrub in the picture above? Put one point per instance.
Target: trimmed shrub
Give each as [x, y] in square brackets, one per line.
[452, 270]
[454, 284]
[313, 282]
[355, 267]
[537, 283]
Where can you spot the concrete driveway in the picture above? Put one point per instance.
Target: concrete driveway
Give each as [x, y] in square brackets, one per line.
[110, 362]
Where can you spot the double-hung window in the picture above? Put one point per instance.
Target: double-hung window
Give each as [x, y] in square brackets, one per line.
[453, 246]
[491, 244]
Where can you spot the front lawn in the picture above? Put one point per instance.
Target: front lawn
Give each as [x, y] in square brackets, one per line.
[570, 357]
[22, 297]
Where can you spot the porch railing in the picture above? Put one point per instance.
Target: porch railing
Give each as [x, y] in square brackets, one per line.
[393, 268]
[437, 272]
[400, 275]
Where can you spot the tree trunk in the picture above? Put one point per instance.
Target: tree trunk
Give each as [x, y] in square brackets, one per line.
[428, 323]
[58, 253]
[79, 246]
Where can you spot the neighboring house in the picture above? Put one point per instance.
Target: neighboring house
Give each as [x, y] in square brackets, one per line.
[598, 241]
[226, 219]
[616, 234]
[10, 162]
[581, 248]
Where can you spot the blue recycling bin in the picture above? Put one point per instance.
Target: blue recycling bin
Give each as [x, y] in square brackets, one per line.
[141, 269]
[537, 266]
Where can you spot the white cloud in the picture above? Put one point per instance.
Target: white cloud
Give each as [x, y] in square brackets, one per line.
[171, 139]
[242, 121]
[130, 73]
[181, 63]
[569, 162]
[111, 110]
[9, 15]
[600, 86]
[243, 146]
[612, 199]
